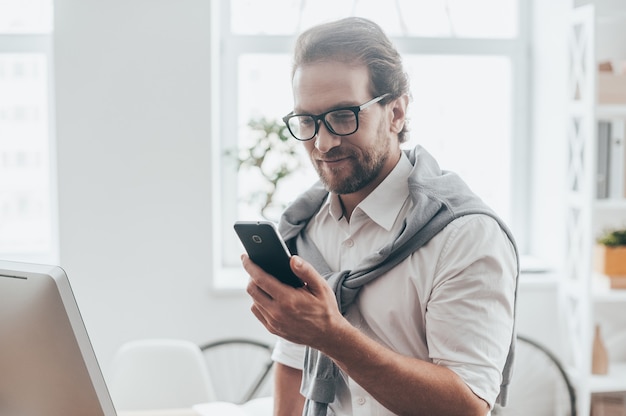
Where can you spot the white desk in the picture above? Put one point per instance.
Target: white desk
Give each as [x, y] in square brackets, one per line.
[262, 406]
[169, 412]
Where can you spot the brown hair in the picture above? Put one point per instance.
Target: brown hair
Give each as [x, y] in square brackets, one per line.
[355, 39]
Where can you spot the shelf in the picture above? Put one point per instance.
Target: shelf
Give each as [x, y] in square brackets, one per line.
[614, 381]
[602, 292]
[610, 204]
[610, 110]
[610, 296]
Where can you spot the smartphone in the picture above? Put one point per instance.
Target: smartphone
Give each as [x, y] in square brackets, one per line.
[267, 249]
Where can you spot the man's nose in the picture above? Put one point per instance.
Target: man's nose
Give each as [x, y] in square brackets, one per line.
[325, 139]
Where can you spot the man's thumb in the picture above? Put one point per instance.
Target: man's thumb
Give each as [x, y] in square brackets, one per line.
[305, 271]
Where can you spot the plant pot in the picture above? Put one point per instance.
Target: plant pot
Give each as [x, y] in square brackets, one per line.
[611, 261]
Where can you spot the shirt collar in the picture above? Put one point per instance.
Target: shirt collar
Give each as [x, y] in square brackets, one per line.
[393, 190]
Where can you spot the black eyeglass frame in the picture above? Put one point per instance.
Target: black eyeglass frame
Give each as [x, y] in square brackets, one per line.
[322, 117]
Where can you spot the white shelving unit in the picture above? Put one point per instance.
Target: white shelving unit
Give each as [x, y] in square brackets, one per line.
[603, 294]
[607, 311]
[614, 381]
[590, 300]
[611, 110]
[607, 304]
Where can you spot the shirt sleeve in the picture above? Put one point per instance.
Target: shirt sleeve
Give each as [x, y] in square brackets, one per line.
[289, 354]
[470, 314]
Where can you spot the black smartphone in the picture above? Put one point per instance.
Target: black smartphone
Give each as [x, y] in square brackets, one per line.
[267, 249]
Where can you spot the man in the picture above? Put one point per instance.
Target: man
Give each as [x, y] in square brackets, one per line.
[410, 281]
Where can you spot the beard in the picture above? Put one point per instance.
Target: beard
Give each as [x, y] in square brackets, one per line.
[363, 166]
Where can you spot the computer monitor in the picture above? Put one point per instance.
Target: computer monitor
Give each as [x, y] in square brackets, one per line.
[47, 363]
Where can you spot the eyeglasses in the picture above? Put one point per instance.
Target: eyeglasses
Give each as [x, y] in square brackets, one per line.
[340, 121]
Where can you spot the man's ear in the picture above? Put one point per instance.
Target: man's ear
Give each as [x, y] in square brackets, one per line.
[398, 113]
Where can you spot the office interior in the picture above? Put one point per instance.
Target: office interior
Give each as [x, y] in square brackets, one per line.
[138, 195]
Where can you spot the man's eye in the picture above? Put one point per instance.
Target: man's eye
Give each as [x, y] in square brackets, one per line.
[342, 115]
[306, 121]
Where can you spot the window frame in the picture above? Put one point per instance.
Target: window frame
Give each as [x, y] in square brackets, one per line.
[226, 104]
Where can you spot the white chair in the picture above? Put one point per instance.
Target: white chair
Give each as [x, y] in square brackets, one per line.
[157, 374]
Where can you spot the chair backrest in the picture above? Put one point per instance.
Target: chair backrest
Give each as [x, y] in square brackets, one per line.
[159, 374]
[540, 385]
[243, 367]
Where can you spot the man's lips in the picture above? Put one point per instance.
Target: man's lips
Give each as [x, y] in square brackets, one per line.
[333, 163]
[333, 159]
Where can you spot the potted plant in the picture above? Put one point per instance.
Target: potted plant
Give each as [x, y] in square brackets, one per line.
[270, 157]
[610, 259]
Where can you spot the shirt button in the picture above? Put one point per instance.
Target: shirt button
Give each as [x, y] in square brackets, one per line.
[360, 401]
[348, 243]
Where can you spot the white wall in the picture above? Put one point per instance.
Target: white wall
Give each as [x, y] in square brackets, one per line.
[135, 198]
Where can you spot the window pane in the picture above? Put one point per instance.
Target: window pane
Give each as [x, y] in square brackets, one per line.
[429, 18]
[461, 113]
[25, 16]
[25, 220]
[265, 93]
[462, 117]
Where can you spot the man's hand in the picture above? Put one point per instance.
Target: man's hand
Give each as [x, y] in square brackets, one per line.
[301, 315]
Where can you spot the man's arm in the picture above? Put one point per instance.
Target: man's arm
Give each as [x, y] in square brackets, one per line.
[310, 316]
[287, 398]
[404, 385]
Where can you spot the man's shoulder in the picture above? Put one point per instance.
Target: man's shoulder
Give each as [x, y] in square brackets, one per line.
[471, 226]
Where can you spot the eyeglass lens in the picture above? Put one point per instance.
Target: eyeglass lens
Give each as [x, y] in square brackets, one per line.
[341, 122]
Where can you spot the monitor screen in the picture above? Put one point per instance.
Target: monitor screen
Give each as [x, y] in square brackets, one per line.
[47, 364]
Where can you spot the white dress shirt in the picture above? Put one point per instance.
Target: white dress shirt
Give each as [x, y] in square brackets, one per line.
[450, 303]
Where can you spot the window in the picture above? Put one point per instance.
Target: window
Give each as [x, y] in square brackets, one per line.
[27, 229]
[468, 82]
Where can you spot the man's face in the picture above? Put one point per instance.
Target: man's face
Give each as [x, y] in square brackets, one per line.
[345, 164]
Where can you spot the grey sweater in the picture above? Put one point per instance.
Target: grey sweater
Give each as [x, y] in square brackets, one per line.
[438, 198]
